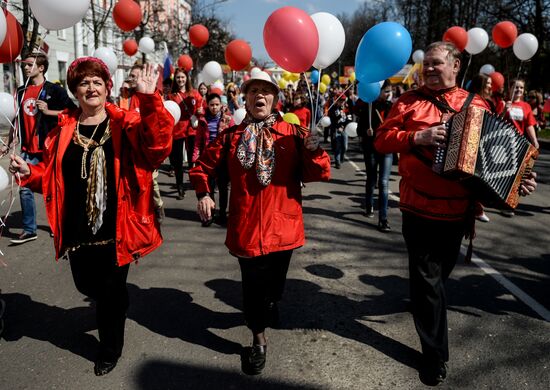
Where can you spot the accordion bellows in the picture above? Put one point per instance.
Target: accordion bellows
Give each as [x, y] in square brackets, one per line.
[488, 153]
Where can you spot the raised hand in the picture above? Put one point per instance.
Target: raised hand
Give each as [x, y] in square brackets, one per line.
[147, 80]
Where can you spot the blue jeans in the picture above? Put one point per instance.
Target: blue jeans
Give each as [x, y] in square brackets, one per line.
[26, 196]
[378, 162]
[339, 145]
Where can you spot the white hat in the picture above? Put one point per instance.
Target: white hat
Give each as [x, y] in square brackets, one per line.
[262, 76]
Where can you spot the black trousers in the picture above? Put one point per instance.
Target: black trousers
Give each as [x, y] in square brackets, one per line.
[97, 276]
[263, 279]
[190, 148]
[433, 248]
[176, 160]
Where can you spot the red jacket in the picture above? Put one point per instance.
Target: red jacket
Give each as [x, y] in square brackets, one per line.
[304, 115]
[190, 104]
[141, 141]
[263, 219]
[203, 135]
[422, 191]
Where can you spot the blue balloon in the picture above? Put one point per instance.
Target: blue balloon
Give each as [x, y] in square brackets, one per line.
[382, 52]
[368, 92]
[314, 76]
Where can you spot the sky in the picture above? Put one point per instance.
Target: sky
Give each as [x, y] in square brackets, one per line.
[247, 17]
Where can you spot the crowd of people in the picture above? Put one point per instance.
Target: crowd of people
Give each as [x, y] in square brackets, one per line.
[108, 152]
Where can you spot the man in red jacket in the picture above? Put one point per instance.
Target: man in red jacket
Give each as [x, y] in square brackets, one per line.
[433, 207]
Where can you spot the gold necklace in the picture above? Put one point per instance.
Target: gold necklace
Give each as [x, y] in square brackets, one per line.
[79, 140]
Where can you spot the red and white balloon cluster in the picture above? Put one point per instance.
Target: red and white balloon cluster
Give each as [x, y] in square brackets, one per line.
[504, 34]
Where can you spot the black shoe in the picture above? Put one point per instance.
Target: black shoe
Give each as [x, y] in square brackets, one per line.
[181, 193]
[337, 165]
[207, 223]
[432, 374]
[253, 359]
[103, 367]
[221, 219]
[383, 226]
[369, 212]
[23, 238]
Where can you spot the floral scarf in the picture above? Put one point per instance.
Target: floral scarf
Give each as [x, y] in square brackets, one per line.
[256, 145]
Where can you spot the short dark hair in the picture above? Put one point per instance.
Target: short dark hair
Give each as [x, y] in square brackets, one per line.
[212, 96]
[40, 60]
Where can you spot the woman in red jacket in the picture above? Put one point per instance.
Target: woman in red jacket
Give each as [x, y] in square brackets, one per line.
[267, 159]
[96, 178]
[190, 102]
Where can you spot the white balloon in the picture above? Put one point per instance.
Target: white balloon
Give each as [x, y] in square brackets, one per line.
[107, 55]
[7, 108]
[325, 121]
[351, 129]
[4, 178]
[477, 40]
[487, 69]
[239, 115]
[146, 45]
[525, 46]
[332, 39]
[3, 27]
[254, 71]
[58, 14]
[211, 72]
[418, 56]
[174, 109]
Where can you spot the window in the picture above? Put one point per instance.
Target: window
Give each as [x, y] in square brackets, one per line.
[62, 34]
[62, 66]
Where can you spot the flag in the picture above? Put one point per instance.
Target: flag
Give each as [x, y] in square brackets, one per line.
[168, 68]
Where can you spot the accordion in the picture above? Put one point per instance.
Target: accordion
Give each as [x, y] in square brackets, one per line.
[488, 153]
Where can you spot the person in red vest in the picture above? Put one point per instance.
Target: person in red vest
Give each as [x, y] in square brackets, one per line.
[40, 102]
[301, 110]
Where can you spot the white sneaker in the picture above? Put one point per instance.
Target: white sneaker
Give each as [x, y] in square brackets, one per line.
[507, 213]
[483, 217]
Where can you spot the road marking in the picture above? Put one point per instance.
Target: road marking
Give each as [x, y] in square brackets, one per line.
[507, 284]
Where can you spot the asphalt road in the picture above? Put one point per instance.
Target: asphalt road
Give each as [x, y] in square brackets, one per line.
[345, 323]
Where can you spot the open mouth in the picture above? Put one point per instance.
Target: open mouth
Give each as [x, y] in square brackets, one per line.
[259, 104]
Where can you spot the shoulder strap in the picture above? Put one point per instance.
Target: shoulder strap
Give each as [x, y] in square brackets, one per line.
[442, 105]
[468, 100]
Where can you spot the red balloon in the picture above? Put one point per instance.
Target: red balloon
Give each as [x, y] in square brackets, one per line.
[458, 36]
[238, 54]
[185, 62]
[13, 42]
[198, 35]
[504, 34]
[127, 14]
[246, 77]
[291, 39]
[497, 81]
[130, 47]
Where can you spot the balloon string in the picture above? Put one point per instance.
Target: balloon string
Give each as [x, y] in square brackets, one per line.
[370, 115]
[340, 96]
[466, 71]
[310, 100]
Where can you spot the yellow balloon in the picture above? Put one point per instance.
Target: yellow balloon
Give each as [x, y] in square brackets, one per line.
[286, 75]
[295, 76]
[290, 117]
[326, 79]
[322, 87]
[352, 77]
[282, 83]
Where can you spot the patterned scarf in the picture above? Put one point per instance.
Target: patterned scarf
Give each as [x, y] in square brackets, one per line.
[256, 145]
[96, 194]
